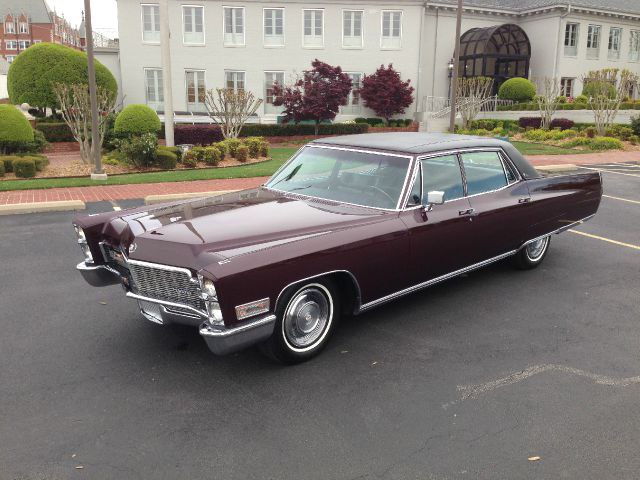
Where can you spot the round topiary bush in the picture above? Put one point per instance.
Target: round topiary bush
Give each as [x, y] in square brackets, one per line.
[24, 167]
[34, 72]
[517, 89]
[166, 160]
[137, 119]
[15, 129]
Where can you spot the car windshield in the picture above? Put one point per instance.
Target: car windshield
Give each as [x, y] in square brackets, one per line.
[369, 179]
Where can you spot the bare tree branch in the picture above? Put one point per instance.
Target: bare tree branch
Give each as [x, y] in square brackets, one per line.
[548, 98]
[75, 108]
[231, 108]
[471, 94]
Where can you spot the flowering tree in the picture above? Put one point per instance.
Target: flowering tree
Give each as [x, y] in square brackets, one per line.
[385, 93]
[316, 96]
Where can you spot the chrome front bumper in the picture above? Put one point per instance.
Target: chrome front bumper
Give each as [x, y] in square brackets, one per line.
[220, 340]
[98, 275]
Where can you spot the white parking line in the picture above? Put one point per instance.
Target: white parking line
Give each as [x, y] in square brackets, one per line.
[610, 171]
[115, 206]
[604, 239]
[622, 199]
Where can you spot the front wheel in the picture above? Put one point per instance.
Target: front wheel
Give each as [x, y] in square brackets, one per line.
[305, 320]
[532, 254]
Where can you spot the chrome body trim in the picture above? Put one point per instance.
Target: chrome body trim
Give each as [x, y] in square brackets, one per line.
[166, 303]
[162, 266]
[222, 341]
[98, 275]
[353, 277]
[433, 281]
[564, 228]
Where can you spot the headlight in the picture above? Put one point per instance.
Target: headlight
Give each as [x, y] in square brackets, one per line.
[210, 297]
[82, 241]
[207, 287]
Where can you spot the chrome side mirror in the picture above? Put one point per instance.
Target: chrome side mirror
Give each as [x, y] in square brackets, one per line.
[434, 197]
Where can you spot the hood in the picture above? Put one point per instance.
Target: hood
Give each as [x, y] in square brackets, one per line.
[199, 232]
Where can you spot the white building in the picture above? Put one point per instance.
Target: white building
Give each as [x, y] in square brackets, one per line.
[252, 43]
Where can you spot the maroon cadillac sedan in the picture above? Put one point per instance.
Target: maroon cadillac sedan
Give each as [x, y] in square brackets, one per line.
[347, 224]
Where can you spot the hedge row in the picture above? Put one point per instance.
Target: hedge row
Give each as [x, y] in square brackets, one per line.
[562, 106]
[55, 132]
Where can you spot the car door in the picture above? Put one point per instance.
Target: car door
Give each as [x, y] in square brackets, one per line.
[440, 237]
[499, 201]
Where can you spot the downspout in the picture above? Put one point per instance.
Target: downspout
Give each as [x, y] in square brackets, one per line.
[418, 99]
[556, 65]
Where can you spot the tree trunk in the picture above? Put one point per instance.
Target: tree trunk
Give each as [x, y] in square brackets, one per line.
[317, 127]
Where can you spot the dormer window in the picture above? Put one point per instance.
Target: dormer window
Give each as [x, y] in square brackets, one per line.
[23, 27]
[9, 27]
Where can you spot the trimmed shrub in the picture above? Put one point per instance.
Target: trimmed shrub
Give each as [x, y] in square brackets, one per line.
[577, 142]
[536, 135]
[634, 139]
[581, 99]
[635, 124]
[605, 143]
[212, 156]
[34, 72]
[55, 132]
[562, 123]
[24, 167]
[197, 134]
[1, 169]
[189, 159]
[253, 144]
[290, 129]
[619, 131]
[232, 145]
[40, 162]
[177, 151]
[7, 163]
[136, 119]
[264, 149]
[530, 122]
[590, 132]
[166, 160]
[15, 131]
[222, 148]
[39, 141]
[242, 153]
[139, 150]
[517, 89]
[372, 121]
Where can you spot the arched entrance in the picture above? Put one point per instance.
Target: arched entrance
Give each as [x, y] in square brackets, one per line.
[500, 52]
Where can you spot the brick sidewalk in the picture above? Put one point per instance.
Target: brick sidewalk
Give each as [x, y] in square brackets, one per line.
[123, 192]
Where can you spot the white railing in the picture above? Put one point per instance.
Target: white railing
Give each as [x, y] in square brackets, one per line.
[489, 104]
[434, 104]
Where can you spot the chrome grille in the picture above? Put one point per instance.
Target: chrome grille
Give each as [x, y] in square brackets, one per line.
[162, 282]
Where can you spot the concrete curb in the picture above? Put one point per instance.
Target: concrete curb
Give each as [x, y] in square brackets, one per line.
[151, 199]
[567, 167]
[39, 207]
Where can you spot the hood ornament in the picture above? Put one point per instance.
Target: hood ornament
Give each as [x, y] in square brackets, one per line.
[132, 248]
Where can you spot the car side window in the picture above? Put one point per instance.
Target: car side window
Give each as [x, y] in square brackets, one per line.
[442, 174]
[416, 190]
[483, 171]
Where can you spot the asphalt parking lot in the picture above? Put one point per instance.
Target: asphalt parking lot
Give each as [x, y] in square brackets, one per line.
[473, 378]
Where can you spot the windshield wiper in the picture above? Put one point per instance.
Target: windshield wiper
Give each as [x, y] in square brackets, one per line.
[288, 177]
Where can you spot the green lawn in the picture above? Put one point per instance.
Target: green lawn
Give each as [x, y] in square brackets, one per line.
[527, 148]
[264, 169]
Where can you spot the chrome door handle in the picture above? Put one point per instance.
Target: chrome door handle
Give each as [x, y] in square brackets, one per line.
[524, 200]
[466, 212]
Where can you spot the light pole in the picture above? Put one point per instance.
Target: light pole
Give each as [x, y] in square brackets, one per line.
[456, 66]
[450, 70]
[98, 173]
[165, 50]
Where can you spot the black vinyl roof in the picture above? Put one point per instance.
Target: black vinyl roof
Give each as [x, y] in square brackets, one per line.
[414, 143]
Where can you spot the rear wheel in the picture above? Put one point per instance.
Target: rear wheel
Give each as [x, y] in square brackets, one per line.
[305, 320]
[532, 254]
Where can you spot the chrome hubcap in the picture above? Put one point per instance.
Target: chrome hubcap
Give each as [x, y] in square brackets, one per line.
[537, 248]
[307, 317]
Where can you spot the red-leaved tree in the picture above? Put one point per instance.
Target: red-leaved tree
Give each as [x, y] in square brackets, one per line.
[316, 96]
[385, 93]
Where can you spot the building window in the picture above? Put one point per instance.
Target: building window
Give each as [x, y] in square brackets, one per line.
[313, 26]
[354, 102]
[11, 44]
[593, 41]
[273, 27]
[615, 36]
[151, 23]
[233, 26]
[571, 39]
[37, 41]
[271, 78]
[10, 58]
[9, 27]
[634, 46]
[23, 44]
[193, 25]
[352, 28]
[154, 88]
[196, 90]
[23, 27]
[391, 29]
[234, 80]
[566, 87]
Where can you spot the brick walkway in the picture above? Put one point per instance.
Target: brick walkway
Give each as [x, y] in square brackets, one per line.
[122, 192]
